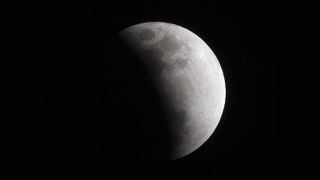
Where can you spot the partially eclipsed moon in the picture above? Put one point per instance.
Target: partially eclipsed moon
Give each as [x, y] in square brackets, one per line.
[189, 77]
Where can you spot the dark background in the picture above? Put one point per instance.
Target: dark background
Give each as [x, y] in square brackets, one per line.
[88, 102]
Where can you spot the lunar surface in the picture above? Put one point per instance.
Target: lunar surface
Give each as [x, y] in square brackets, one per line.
[188, 76]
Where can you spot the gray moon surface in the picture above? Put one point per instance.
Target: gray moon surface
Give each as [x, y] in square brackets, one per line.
[189, 77]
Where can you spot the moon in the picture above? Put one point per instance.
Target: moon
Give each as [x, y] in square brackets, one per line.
[188, 76]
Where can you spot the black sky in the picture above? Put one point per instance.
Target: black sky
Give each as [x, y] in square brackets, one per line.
[82, 95]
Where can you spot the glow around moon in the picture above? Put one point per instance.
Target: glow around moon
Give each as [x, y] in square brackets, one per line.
[189, 77]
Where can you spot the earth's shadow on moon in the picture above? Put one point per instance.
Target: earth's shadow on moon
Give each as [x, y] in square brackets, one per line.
[139, 109]
[109, 120]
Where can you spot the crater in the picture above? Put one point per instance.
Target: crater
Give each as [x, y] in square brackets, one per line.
[147, 35]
